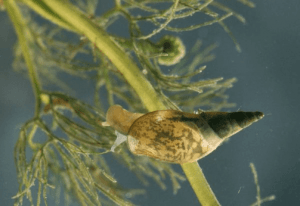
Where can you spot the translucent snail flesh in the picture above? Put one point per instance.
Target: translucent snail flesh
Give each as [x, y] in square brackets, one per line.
[174, 136]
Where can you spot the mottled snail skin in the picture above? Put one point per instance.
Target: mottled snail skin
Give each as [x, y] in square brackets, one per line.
[180, 137]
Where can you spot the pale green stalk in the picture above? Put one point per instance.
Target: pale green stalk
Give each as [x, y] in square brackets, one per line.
[199, 184]
[104, 43]
[46, 12]
[25, 40]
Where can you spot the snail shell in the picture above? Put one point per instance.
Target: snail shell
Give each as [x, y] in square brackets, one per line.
[175, 136]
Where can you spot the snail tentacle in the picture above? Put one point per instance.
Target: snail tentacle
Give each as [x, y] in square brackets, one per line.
[120, 139]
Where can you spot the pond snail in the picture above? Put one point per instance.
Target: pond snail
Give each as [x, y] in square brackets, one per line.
[175, 136]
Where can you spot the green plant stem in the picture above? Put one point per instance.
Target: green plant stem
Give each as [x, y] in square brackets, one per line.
[104, 43]
[25, 40]
[132, 74]
[46, 12]
[198, 182]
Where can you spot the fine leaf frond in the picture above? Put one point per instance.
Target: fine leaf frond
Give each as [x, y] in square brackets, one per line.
[259, 200]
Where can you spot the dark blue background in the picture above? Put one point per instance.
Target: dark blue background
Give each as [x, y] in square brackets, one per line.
[268, 72]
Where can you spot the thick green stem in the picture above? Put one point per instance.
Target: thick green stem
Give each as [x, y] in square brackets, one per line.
[46, 12]
[25, 40]
[104, 43]
[199, 184]
[79, 22]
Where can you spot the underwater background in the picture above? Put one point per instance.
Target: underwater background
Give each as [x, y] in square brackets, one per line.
[268, 72]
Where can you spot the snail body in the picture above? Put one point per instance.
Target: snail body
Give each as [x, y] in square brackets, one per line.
[175, 136]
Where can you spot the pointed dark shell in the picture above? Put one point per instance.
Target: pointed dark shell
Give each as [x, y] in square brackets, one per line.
[225, 124]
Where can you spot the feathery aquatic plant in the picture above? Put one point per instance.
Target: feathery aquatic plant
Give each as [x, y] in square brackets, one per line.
[65, 144]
